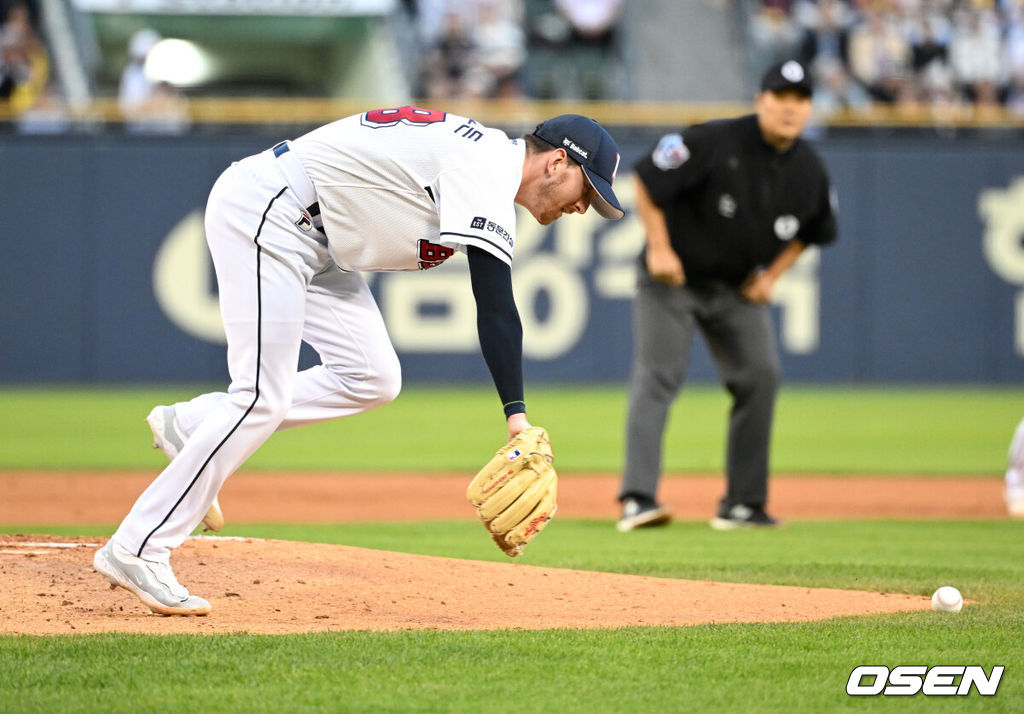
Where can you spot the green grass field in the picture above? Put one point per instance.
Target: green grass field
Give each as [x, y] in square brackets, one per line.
[755, 667]
[819, 430]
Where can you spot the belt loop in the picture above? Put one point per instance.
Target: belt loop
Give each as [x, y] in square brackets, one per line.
[298, 180]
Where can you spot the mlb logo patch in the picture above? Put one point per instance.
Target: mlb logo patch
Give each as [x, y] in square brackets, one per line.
[478, 223]
[514, 454]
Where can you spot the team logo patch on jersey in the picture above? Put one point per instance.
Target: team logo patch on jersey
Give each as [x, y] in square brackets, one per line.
[304, 221]
[478, 223]
[786, 227]
[670, 153]
[433, 254]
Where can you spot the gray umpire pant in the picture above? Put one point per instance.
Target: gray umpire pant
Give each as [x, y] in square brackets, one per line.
[741, 340]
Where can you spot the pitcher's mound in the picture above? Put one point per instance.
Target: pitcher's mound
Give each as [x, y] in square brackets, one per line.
[268, 586]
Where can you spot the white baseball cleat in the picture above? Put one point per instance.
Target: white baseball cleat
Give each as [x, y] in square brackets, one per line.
[154, 583]
[169, 438]
[214, 518]
[1015, 504]
[1015, 474]
[167, 433]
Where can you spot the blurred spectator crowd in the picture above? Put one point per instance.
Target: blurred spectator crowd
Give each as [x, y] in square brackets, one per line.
[909, 54]
[906, 54]
[502, 49]
[149, 105]
[24, 63]
[464, 49]
[31, 93]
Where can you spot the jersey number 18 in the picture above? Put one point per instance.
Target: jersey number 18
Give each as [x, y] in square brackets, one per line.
[413, 116]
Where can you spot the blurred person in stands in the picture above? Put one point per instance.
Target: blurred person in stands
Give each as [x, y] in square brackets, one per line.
[47, 115]
[929, 33]
[501, 50]
[880, 57]
[976, 55]
[450, 58]
[835, 91]
[775, 35]
[1014, 50]
[135, 87]
[825, 27]
[576, 49]
[592, 22]
[149, 105]
[24, 63]
[1015, 95]
[1014, 37]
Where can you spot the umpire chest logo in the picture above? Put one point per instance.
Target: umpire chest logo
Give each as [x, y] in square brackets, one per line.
[786, 227]
[726, 206]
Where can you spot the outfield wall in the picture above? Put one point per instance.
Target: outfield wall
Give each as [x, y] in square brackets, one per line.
[104, 276]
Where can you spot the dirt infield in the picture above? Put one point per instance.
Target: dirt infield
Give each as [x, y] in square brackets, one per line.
[277, 587]
[264, 586]
[31, 498]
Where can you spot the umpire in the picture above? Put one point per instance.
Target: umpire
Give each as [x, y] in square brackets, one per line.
[727, 207]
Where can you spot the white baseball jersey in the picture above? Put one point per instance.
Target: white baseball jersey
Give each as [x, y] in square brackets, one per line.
[397, 190]
[401, 189]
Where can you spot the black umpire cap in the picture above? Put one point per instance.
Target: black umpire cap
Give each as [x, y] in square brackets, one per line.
[788, 76]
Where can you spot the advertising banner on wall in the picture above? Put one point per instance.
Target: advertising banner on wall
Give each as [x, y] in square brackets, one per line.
[107, 278]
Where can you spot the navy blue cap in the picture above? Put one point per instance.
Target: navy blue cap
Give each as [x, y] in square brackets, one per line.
[594, 149]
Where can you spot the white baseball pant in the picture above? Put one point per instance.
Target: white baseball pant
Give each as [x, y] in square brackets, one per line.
[1015, 468]
[278, 286]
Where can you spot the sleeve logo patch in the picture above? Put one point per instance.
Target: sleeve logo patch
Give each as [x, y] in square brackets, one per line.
[670, 153]
[480, 223]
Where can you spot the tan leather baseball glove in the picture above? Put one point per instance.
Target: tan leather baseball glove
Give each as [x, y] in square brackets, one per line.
[515, 492]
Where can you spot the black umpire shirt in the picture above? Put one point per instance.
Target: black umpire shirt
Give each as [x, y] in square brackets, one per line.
[732, 202]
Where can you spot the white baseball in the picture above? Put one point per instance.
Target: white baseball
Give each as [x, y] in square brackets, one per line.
[947, 599]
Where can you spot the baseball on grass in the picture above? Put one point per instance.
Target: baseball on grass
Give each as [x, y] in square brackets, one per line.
[947, 599]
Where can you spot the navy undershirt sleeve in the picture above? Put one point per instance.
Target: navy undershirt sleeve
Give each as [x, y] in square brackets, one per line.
[498, 326]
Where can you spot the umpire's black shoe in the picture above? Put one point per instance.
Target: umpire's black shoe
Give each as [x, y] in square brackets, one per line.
[640, 512]
[741, 516]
